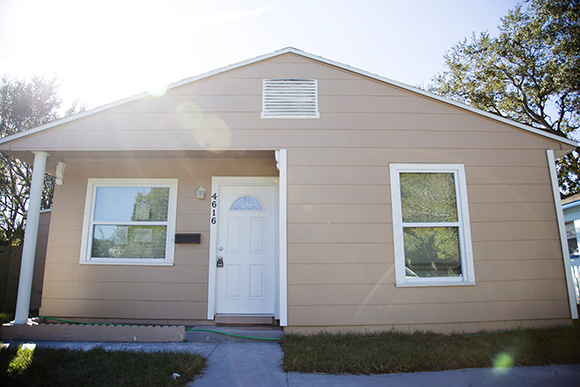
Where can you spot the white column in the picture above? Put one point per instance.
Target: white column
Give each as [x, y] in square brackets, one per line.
[282, 165]
[30, 237]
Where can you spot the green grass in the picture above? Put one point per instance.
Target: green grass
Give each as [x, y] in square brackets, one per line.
[392, 352]
[97, 367]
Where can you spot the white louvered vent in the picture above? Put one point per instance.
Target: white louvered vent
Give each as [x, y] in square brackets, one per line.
[290, 98]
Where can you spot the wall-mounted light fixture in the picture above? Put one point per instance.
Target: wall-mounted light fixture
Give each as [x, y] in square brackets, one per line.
[60, 173]
[200, 193]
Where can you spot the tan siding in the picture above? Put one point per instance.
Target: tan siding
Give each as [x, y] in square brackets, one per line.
[383, 156]
[339, 194]
[505, 212]
[340, 239]
[323, 253]
[339, 233]
[135, 293]
[370, 273]
[523, 250]
[339, 213]
[510, 193]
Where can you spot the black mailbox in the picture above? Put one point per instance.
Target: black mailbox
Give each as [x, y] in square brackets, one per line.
[188, 238]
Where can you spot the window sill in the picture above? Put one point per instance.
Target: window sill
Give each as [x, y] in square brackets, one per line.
[426, 284]
[127, 263]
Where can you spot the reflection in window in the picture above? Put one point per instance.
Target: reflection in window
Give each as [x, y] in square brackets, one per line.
[431, 225]
[428, 199]
[247, 203]
[136, 212]
[131, 221]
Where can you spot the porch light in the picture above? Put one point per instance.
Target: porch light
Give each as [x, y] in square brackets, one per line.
[200, 193]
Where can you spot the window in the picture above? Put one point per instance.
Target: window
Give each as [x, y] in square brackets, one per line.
[572, 241]
[247, 203]
[129, 221]
[431, 230]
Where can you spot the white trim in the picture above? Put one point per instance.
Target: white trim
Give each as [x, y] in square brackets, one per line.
[463, 224]
[92, 185]
[305, 55]
[280, 265]
[562, 230]
[282, 164]
[30, 239]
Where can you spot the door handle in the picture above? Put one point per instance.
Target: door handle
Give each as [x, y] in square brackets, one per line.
[220, 262]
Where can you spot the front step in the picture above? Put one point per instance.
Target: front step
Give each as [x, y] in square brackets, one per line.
[244, 319]
[229, 333]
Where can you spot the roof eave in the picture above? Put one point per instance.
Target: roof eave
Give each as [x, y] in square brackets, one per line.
[306, 55]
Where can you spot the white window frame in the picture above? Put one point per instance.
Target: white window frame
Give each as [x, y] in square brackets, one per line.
[464, 230]
[88, 222]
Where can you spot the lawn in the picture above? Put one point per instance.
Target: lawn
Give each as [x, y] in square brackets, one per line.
[97, 367]
[391, 352]
[386, 352]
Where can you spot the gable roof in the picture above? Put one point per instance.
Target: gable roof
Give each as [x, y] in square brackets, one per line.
[295, 51]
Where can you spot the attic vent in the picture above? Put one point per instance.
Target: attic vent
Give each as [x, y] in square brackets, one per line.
[290, 98]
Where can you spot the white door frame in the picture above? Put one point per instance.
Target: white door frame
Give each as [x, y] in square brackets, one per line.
[280, 268]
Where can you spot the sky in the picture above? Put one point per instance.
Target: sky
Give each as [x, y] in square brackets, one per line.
[103, 51]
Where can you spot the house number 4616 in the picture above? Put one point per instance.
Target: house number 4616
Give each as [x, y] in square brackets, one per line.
[213, 208]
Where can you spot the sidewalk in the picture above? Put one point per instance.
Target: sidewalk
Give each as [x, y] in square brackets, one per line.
[258, 364]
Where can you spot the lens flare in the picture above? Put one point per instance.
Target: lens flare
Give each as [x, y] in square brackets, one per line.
[158, 91]
[213, 135]
[503, 362]
[188, 115]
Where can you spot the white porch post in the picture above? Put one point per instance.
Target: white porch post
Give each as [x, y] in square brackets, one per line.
[282, 165]
[30, 237]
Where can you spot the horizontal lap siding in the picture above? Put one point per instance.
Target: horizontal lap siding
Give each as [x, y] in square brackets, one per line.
[340, 252]
[332, 206]
[135, 293]
[341, 260]
[340, 238]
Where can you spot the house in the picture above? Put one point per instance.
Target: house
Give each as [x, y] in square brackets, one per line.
[293, 188]
[571, 208]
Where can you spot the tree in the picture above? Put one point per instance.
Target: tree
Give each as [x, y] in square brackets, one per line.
[23, 105]
[529, 73]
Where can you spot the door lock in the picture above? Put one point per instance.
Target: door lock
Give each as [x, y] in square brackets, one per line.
[220, 262]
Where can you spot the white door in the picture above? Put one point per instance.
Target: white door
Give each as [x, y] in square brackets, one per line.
[245, 261]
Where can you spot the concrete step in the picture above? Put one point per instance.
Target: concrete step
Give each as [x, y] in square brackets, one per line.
[236, 334]
[244, 319]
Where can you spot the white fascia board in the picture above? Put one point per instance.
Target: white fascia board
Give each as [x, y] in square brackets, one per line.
[306, 55]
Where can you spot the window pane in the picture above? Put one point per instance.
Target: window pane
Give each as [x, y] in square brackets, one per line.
[246, 203]
[432, 251]
[125, 204]
[428, 197]
[129, 241]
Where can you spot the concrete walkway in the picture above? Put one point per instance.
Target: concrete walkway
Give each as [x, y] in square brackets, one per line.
[257, 364]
